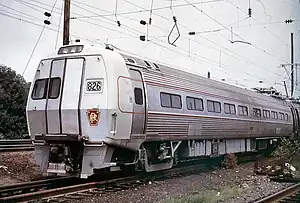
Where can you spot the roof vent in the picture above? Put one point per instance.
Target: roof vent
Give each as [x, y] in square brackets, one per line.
[129, 60]
[156, 66]
[147, 63]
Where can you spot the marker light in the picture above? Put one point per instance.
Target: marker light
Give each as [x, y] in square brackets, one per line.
[70, 49]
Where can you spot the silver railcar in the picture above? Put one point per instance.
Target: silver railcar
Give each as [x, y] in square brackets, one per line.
[90, 110]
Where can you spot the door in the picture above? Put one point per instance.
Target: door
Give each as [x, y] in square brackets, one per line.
[53, 116]
[71, 96]
[139, 102]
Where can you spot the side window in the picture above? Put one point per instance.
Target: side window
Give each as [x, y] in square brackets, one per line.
[213, 106]
[243, 110]
[165, 100]
[281, 116]
[170, 100]
[274, 115]
[190, 103]
[266, 113]
[176, 101]
[40, 89]
[229, 108]
[138, 96]
[256, 112]
[194, 104]
[54, 88]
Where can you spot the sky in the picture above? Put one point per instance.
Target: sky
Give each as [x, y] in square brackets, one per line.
[235, 48]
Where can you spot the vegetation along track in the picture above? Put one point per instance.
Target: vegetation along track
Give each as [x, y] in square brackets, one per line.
[72, 188]
[287, 195]
[16, 145]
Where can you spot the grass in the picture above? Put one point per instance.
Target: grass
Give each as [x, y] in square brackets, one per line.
[208, 196]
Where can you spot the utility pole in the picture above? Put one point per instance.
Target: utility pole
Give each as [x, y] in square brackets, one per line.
[292, 64]
[66, 34]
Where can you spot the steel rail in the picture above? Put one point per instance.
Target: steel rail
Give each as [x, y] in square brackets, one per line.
[118, 183]
[16, 145]
[286, 195]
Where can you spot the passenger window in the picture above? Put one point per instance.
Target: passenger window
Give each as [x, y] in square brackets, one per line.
[213, 106]
[229, 108]
[274, 115]
[54, 88]
[199, 104]
[190, 103]
[281, 116]
[256, 112]
[39, 89]
[165, 100]
[243, 110]
[194, 104]
[138, 96]
[266, 113]
[170, 100]
[176, 101]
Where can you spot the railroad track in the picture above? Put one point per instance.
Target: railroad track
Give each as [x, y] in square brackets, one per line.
[16, 145]
[287, 195]
[63, 189]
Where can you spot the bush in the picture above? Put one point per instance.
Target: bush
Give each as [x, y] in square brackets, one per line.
[287, 151]
[13, 98]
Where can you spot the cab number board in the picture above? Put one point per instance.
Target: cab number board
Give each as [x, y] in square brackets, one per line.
[94, 86]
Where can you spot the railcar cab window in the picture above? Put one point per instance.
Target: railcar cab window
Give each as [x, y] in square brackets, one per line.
[266, 113]
[286, 117]
[138, 96]
[170, 100]
[229, 108]
[54, 88]
[40, 89]
[243, 110]
[194, 104]
[274, 115]
[213, 106]
[256, 112]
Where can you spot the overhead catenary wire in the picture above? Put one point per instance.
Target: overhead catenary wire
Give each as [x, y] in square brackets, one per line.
[216, 62]
[133, 36]
[254, 64]
[19, 12]
[256, 47]
[259, 23]
[37, 42]
[144, 10]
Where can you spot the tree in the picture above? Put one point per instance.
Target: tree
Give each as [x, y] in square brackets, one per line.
[13, 98]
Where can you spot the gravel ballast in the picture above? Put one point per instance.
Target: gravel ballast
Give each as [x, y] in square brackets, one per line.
[246, 186]
[16, 167]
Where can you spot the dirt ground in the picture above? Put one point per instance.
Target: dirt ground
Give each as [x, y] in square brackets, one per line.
[17, 167]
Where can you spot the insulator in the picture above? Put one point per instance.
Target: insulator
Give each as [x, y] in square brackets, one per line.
[77, 40]
[142, 38]
[142, 22]
[174, 18]
[150, 21]
[249, 12]
[47, 14]
[119, 23]
[47, 22]
[192, 33]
